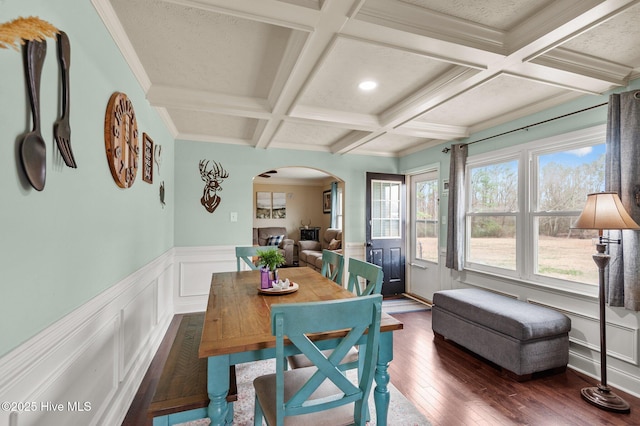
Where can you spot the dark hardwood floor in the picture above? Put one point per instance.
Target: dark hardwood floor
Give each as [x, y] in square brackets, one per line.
[451, 386]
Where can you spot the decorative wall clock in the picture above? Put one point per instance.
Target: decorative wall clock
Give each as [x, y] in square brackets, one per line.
[121, 139]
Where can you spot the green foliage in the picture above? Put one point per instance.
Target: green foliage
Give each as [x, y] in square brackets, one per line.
[271, 258]
[494, 188]
[487, 228]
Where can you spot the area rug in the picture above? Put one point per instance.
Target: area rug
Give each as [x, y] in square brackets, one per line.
[402, 305]
[401, 411]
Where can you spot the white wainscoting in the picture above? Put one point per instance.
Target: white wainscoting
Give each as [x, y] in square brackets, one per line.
[192, 274]
[623, 369]
[100, 352]
[93, 360]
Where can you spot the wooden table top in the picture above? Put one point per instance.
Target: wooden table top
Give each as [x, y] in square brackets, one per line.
[238, 317]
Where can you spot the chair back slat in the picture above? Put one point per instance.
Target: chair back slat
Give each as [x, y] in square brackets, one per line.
[245, 254]
[292, 323]
[372, 274]
[332, 266]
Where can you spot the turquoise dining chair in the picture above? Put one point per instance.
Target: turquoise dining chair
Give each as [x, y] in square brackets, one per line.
[310, 396]
[370, 273]
[332, 266]
[373, 275]
[245, 254]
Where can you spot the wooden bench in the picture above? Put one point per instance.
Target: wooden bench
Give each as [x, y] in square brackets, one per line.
[181, 393]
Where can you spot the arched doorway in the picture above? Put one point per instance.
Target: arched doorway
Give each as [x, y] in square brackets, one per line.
[294, 198]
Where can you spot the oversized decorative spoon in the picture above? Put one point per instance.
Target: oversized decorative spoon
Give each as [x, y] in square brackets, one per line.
[33, 150]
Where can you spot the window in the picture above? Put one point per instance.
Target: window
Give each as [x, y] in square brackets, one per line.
[564, 178]
[425, 217]
[385, 209]
[492, 214]
[339, 213]
[521, 203]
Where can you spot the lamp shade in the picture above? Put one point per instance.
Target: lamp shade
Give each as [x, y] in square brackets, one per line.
[604, 210]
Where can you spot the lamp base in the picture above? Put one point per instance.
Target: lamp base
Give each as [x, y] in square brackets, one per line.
[603, 398]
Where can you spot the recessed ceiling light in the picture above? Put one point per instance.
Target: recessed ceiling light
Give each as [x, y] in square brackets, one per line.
[368, 85]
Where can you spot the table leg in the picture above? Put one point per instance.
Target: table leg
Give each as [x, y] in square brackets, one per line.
[218, 388]
[381, 394]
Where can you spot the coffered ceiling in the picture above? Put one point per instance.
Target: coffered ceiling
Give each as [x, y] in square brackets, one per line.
[285, 73]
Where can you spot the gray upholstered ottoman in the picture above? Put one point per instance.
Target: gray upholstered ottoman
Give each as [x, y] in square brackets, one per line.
[520, 337]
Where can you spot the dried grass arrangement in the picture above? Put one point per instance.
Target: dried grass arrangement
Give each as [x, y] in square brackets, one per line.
[14, 33]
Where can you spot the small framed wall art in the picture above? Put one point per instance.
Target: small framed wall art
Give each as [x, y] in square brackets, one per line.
[147, 158]
[263, 205]
[326, 202]
[279, 205]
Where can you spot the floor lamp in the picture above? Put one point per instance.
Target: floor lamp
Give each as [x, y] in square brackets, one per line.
[604, 210]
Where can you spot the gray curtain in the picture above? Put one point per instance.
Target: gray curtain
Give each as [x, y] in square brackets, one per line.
[334, 204]
[621, 176]
[456, 214]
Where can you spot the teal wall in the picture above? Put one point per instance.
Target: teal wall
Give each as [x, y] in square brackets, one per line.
[194, 226]
[81, 235]
[583, 120]
[61, 247]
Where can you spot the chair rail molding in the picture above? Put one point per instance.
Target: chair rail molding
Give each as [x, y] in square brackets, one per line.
[97, 354]
[100, 352]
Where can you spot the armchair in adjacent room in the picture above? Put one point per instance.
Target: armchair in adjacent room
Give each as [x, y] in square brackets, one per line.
[310, 252]
[275, 236]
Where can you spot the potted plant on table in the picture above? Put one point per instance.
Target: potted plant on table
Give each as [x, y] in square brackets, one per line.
[269, 259]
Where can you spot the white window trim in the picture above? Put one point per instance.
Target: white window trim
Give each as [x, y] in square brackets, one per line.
[527, 180]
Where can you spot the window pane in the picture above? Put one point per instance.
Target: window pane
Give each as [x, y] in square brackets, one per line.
[494, 188]
[385, 209]
[565, 253]
[340, 207]
[565, 178]
[493, 241]
[426, 220]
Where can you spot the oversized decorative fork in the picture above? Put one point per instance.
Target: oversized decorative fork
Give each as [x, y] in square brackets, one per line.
[61, 128]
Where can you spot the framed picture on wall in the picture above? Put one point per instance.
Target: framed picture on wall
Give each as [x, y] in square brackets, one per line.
[147, 158]
[326, 202]
[279, 207]
[263, 205]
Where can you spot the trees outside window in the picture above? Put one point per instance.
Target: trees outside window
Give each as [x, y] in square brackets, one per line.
[564, 180]
[426, 222]
[492, 214]
[522, 201]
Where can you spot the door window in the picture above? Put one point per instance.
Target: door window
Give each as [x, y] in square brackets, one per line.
[385, 209]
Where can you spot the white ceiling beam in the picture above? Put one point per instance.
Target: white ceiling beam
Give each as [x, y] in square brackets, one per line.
[423, 129]
[215, 139]
[442, 87]
[548, 31]
[200, 100]
[352, 141]
[333, 17]
[549, 25]
[267, 11]
[589, 66]
[331, 117]
[418, 20]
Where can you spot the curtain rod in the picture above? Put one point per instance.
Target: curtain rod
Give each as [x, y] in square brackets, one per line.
[447, 149]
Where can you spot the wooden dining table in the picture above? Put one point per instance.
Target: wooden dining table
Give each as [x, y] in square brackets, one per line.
[237, 329]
